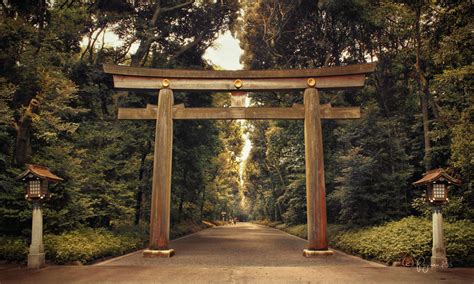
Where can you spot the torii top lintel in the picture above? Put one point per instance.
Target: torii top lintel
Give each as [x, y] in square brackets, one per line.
[139, 78]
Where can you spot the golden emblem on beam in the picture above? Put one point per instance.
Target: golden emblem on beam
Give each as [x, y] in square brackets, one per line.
[165, 83]
[238, 83]
[134, 78]
[311, 82]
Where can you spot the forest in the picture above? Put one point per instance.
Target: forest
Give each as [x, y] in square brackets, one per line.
[59, 109]
[417, 106]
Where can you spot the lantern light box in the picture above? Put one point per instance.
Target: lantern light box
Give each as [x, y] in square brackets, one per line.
[437, 182]
[36, 179]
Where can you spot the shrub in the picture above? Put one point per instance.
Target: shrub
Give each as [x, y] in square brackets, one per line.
[87, 245]
[264, 222]
[281, 226]
[298, 230]
[13, 249]
[389, 242]
[409, 236]
[274, 224]
[218, 222]
[459, 238]
[394, 240]
[186, 228]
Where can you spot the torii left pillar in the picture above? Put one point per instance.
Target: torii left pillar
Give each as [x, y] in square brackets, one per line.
[161, 186]
[315, 184]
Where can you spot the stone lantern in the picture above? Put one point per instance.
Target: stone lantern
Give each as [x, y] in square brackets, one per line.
[437, 182]
[36, 179]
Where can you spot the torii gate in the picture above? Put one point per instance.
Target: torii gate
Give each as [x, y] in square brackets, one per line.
[169, 80]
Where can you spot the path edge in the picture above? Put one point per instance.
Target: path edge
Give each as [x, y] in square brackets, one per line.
[375, 263]
[141, 250]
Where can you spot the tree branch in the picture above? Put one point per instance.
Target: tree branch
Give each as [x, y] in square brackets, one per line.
[189, 46]
[91, 50]
[178, 6]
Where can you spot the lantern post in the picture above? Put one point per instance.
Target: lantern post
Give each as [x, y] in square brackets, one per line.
[36, 179]
[437, 182]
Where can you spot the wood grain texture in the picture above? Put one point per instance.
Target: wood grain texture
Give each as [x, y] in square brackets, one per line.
[315, 184]
[162, 163]
[130, 82]
[254, 113]
[239, 113]
[240, 74]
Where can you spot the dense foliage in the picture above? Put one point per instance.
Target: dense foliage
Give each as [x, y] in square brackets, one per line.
[57, 108]
[417, 106]
[82, 245]
[409, 236]
[395, 240]
[86, 245]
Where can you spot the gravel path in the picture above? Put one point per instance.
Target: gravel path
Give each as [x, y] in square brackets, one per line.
[245, 253]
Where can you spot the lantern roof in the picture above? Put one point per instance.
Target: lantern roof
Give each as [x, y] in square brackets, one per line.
[434, 175]
[41, 172]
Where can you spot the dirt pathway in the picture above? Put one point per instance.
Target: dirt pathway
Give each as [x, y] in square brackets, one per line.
[245, 253]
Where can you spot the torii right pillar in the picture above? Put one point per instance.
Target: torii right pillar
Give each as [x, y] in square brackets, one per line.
[315, 185]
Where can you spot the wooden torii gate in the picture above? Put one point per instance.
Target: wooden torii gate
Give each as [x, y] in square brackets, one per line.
[309, 80]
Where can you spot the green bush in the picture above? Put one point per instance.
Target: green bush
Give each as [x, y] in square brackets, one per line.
[459, 238]
[132, 231]
[274, 224]
[218, 223]
[409, 236]
[281, 226]
[394, 240]
[186, 228]
[87, 245]
[13, 249]
[298, 230]
[262, 222]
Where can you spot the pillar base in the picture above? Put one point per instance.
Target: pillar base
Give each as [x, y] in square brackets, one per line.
[152, 253]
[439, 262]
[36, 260]
[317, 253]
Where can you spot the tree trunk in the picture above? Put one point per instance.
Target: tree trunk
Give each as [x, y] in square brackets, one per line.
[180, 207]
[426, 131]
[141, 177]
[425, 92]
[23, 134]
